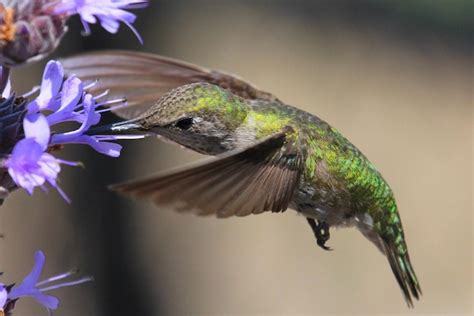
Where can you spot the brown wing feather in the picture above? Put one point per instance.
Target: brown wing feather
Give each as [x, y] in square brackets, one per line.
[250, 181]
[143, 78]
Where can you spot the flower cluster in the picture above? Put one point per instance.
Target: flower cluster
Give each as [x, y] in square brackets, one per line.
[29, 126]
[30, 163]
[33, 288]
[32, 29]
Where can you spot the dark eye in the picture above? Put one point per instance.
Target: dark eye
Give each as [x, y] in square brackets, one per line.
[184, 123]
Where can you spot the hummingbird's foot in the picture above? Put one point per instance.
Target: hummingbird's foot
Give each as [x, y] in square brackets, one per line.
[321, 232]
[322, 235]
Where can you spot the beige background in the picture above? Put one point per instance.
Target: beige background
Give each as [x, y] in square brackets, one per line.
[407, 104]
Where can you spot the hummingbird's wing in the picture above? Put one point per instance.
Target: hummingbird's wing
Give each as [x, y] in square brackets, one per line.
[143, 78]
[253, 180]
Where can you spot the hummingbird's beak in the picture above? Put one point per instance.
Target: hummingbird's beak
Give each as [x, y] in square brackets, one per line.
[119, 127]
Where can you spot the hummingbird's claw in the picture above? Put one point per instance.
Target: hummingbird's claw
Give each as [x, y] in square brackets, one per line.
[321, 243]
[321, 232]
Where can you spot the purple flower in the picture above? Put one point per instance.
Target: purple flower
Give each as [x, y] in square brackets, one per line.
[33, 288]
[78, 106]
[109, 13]
[30, 164]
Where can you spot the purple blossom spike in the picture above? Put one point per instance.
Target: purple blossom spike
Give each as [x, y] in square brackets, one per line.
[30, 163]
[109, 13]
[33, 288]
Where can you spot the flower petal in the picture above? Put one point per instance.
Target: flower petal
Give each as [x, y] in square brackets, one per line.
[71, 93]
[23, 164]
[36, 126]
[106, 148]
[50, 85]
[26, 150]
[29, 282]
[48, 301]
[3, 295]
[50, 168]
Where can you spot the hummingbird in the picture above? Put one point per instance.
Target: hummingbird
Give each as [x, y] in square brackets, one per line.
[268, 156]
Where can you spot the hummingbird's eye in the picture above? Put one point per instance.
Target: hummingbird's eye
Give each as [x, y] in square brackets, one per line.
[184, 123]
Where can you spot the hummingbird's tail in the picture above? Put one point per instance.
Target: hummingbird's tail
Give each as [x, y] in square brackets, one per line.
[118, 127]
[397, 255]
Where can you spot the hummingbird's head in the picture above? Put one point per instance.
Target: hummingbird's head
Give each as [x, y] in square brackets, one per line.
[200, 116]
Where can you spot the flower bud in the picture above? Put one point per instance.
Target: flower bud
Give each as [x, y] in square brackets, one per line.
[28, 31]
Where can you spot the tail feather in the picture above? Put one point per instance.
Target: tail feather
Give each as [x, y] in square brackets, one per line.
[403, 271]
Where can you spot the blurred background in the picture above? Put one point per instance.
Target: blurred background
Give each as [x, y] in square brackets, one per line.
[395, 77]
